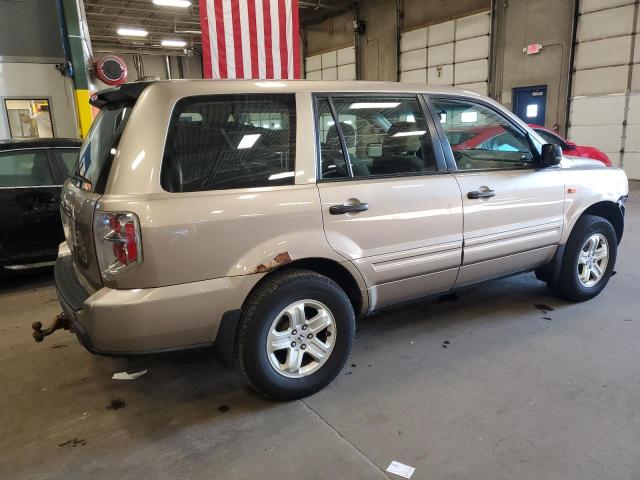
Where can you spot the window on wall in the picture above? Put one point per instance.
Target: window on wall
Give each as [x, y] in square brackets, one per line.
[480, 138]
[29, 118]
[383, 135]
[219, 142]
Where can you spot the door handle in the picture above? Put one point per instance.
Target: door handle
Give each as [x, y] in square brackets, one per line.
[349, 208]
[484, 192]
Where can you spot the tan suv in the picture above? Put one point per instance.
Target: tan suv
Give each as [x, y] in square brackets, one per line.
[261, 218]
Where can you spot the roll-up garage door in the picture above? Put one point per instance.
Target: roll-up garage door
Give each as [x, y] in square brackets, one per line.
[450, 53]
[332, 65]
[606, 81]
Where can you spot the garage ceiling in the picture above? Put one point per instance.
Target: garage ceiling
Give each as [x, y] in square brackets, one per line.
[104, 17]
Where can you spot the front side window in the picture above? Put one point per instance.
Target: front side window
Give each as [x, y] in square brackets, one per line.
[218, 142]
[69, 158]
[28, 168]
[480, 138]
[383, 135]
[550, 138]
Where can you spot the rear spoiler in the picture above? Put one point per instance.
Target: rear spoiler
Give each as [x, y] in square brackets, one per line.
[122, 93]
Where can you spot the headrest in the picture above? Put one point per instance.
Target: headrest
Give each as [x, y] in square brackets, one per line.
[399, 140]
[347, 130]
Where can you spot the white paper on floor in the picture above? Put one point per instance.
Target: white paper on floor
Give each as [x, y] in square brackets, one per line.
[128, 376]
[400, 469]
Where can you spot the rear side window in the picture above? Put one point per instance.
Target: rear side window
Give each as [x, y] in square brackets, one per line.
[96, 154]
[28, 168]
[218, 142]
[69, 158]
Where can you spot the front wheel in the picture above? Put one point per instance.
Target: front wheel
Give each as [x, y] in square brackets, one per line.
[588, 261]
[295, 335]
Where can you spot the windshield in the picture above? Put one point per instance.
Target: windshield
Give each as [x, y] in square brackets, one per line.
[98, 149]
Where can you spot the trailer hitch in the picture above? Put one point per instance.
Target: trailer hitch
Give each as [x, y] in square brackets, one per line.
[61, 321]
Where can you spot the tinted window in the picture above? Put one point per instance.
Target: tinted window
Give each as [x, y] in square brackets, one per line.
[384, 135]
[230, 141]
[96, 154]
[26, 168]
[68, 158]
[332, 159]
[481, 138]
[550, 138]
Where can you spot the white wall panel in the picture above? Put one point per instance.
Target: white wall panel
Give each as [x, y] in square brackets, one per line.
[632, 165]
[605, 137]
[313, 63]
[634, 109]
[587, 6]
[440, 75]
[441, 33]
[635, 79]
[315, 75]
[330, 73]
[598, 110]
[472, 26]
[463, 41]
[469, 72]
[414, 39]
[472, 49]
[603, 53]
[440, 55]
[413, 59]
[600, 80]
[478, 87]
[414, 76]
[347, 72]
[606, 23]
[329, 59]
[632, 143]
[346, 55]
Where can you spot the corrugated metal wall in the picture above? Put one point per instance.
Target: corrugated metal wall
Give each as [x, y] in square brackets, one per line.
[449, 53]
[606, 81]
[333, 65]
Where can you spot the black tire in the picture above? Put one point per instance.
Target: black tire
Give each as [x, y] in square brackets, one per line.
[568, 285]
[259, 312]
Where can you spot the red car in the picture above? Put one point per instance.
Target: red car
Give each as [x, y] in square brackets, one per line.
[570, 148]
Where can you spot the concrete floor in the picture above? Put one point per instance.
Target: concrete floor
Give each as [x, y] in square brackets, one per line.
[519, 393]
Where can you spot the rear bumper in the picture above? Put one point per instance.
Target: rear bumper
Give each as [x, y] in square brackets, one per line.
[150, 320]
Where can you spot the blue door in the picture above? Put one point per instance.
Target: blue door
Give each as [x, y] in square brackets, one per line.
[530, 103]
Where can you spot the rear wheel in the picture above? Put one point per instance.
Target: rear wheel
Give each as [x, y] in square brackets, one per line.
[588, 261]
[295, 335]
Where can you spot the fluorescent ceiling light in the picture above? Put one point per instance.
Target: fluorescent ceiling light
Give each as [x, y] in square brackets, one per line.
[362, 105]
[413, 133]
[248, 141]
[132, 32]
[173, 3]
[173, 43]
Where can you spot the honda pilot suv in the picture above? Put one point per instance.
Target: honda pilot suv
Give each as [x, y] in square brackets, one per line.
[261, 218]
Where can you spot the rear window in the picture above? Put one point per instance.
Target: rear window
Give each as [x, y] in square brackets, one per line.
[219, 142]
[96, 154]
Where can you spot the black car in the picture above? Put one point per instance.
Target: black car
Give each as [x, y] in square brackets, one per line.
[31, 177]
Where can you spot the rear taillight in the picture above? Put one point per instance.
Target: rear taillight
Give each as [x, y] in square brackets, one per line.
[118, 243]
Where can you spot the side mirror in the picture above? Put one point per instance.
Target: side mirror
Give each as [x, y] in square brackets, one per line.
[374, 150]
[551, 155]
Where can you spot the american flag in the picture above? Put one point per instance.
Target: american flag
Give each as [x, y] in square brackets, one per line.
[250, 39]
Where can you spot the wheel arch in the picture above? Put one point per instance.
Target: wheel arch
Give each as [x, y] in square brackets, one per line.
[343, 274]
[610, 211]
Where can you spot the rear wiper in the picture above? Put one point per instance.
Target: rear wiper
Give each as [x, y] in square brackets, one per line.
[80, 178]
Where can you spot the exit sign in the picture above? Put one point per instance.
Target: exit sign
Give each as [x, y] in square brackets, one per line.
[533, 48]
